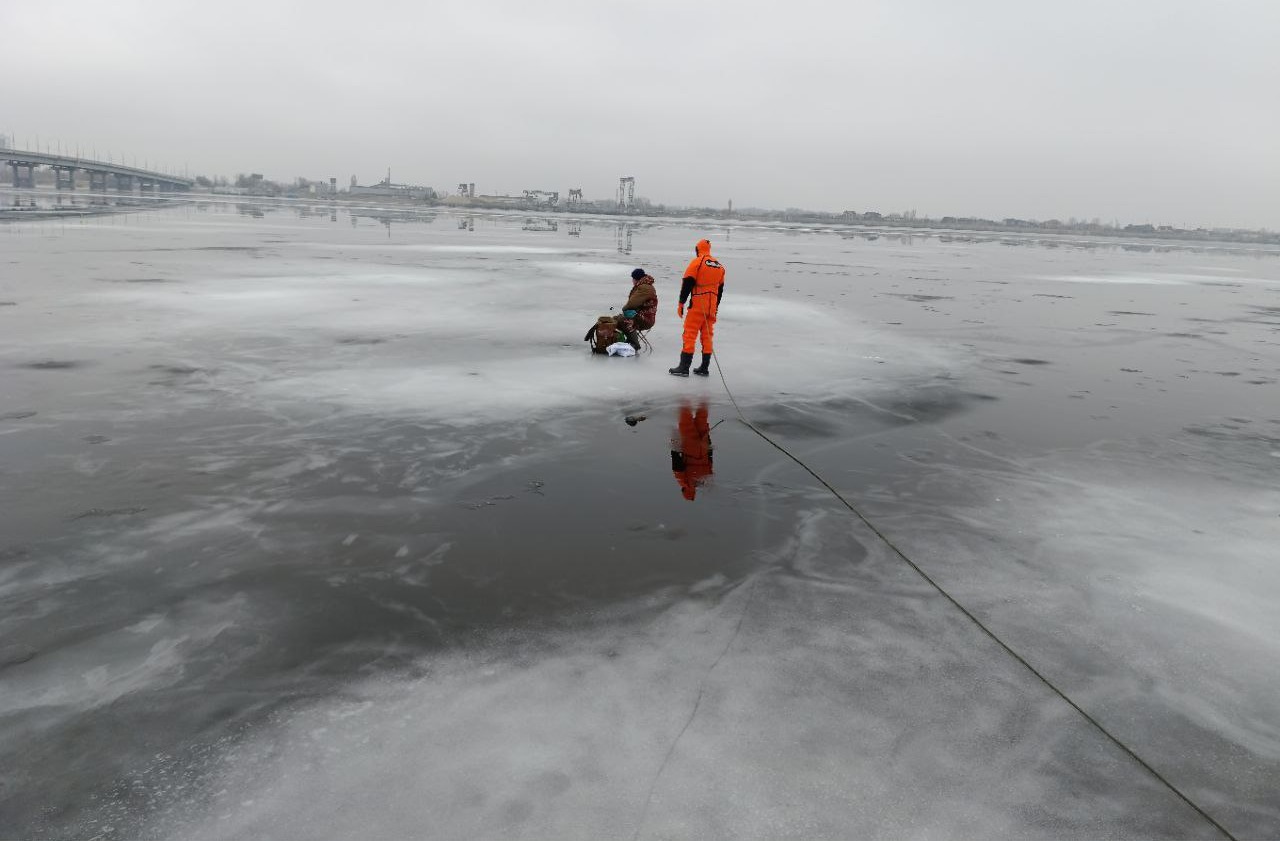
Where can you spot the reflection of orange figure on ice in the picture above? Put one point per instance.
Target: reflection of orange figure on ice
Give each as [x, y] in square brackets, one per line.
[691, 452]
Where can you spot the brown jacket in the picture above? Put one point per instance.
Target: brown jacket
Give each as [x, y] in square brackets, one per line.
[644, 300]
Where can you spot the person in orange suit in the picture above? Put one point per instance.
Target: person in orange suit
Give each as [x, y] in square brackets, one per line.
[702, 287]
[691, 451]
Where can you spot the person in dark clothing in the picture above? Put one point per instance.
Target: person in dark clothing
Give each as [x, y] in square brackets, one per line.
[642, 304]
[640, 311]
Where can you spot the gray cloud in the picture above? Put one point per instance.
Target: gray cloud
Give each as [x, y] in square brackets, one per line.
[1143, 111]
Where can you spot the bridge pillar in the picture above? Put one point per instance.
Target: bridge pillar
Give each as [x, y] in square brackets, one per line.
[124, 182]
[19, 180]
[64, 183]
[97, 181]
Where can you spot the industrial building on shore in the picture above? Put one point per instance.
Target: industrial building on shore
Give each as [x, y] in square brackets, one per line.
[386, 189]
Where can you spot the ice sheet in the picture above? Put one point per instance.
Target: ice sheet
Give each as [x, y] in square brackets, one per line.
[328, 524]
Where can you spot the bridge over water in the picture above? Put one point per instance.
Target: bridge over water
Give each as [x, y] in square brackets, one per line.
[65, 167]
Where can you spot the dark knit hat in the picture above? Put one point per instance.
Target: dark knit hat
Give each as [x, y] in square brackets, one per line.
[637, 274]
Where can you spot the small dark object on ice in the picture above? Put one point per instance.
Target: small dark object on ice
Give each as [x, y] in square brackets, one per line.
[108, 512]
[51, 365]
[632, 420]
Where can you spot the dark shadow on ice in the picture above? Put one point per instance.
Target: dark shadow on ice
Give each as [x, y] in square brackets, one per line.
[52, 365]
[840, 417]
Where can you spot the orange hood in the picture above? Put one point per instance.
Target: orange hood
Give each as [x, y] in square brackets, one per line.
[703, 248]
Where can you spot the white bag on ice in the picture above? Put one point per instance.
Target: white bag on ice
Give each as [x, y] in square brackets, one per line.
[620, 349]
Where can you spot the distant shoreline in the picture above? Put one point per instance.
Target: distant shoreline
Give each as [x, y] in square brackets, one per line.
[960, 229]
[894, 222]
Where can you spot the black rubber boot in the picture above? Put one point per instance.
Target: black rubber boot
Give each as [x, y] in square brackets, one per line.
[682, 370]
[705, 369]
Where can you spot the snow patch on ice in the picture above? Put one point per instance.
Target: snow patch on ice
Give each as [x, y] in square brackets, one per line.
[1152, 279]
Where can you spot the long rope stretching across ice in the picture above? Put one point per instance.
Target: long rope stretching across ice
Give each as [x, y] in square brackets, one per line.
[969, 614]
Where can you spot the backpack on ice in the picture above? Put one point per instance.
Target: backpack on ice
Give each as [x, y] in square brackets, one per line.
[604, 333]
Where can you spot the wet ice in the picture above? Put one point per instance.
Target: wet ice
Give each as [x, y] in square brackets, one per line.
[377, 553]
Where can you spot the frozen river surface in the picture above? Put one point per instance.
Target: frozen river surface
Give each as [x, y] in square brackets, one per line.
[324, 524]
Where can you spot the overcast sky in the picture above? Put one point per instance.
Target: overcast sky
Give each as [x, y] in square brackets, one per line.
[1165, 111]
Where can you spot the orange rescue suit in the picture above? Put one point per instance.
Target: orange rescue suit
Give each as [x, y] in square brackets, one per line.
[704, 297]
[691, 463]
